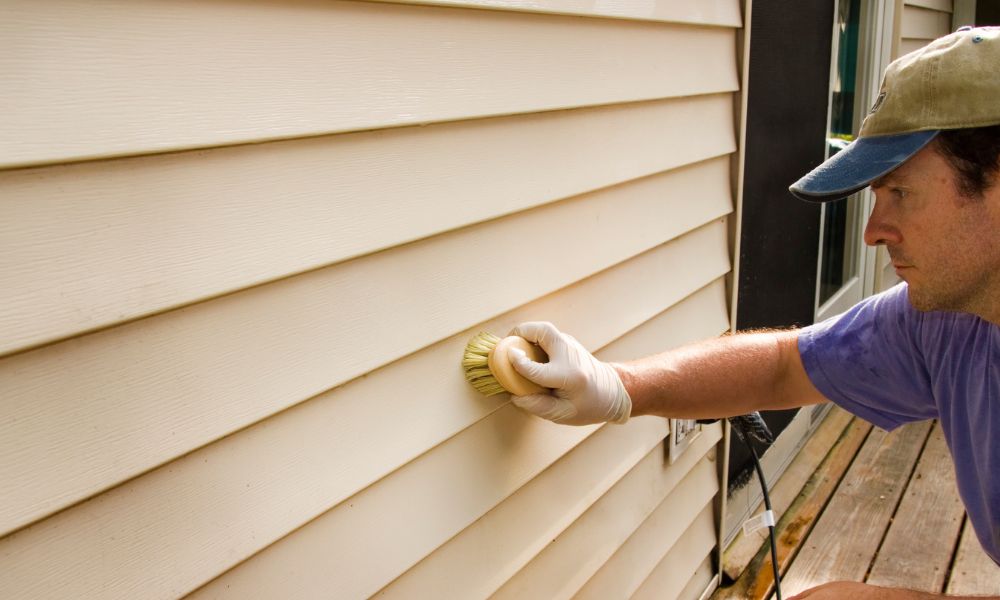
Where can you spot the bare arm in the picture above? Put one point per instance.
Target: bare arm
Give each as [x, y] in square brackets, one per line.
[860, 591]
[721, 377]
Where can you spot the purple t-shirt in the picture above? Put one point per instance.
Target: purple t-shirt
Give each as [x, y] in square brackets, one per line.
[890, 364]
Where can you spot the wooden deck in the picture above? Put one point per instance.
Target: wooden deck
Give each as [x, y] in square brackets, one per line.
[860, 504]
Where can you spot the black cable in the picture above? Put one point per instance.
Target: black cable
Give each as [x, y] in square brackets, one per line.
[767, 507]
[748, 428]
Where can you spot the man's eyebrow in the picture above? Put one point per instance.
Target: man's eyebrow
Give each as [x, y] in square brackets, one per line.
[883, 181]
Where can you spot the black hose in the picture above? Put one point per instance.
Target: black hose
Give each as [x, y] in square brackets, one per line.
[767, 507]
[748, 428]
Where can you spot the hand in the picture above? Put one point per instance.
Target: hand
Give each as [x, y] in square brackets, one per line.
[584, 389]
[858, 591]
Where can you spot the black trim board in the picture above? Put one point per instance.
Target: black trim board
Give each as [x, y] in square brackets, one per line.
[788, 93]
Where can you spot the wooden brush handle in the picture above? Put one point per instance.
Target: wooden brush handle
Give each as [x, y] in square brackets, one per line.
[510, 379]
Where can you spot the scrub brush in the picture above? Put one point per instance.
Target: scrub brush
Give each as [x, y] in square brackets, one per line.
[488, 368]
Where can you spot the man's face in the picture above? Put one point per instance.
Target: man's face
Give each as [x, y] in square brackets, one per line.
[944, 245]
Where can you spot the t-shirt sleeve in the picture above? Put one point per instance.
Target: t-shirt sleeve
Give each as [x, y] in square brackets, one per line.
[868, 360]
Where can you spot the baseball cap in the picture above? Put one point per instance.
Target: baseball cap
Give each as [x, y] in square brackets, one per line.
[951, 83]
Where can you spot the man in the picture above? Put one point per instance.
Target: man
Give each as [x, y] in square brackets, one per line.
[928, 348]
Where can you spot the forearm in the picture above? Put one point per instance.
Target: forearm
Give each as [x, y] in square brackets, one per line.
[722, 377]
[901, 594]
[904, 594]
[859, 591]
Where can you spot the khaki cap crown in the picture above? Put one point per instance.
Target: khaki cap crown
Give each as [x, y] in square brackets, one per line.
[951, 83]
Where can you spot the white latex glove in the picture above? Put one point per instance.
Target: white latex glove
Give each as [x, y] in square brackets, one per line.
[584, 389]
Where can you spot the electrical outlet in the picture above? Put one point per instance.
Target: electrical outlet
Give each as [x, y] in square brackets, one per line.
[682, 433]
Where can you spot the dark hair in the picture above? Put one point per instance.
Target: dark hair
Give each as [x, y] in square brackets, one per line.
[974, 153]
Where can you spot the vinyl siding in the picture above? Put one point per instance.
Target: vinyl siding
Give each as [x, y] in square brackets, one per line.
[159, 387]
[707, 12]
[575, 555]
[202, 83]
[923, 21]
[649, 552]
[237, 280]
[224, 219]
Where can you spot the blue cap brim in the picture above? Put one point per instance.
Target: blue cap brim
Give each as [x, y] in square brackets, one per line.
[861, 162]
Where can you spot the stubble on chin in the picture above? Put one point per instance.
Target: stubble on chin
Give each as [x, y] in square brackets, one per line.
[919, 301]
[946, 297]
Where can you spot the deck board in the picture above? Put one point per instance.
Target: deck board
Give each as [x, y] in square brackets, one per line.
[894, 519]
[795, 524]
[849, 532]
[807, 462]
[973, 571]
[918, 548]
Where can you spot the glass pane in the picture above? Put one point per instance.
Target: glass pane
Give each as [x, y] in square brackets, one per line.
[840, 246]
[840, 237]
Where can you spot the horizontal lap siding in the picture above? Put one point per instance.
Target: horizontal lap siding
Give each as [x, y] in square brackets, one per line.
[683, 521]
[682, 561]
[566, 563]
[480, 558]
[317, 455]
[922, 22]
[703, 578]
[707, 12]
[365, 542]
[81, 250]
[230, 365]
[938, 5]
[486, 554]
[149, 391]
[139, 77]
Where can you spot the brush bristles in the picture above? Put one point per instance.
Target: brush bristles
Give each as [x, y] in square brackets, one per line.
[476, 365]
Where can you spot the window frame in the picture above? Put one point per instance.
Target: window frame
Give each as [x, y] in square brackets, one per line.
[876, 33]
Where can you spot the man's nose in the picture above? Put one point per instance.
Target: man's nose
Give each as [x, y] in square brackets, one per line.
[880, 229]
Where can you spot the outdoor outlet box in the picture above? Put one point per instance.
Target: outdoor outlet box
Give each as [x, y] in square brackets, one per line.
[682, 433]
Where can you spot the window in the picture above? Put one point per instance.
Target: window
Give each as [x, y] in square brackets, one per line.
[861, 44]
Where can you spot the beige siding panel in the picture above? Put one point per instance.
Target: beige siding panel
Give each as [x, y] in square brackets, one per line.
[699, 583]
[700, 12]
[697, 316]
[922, 23]
[685, 515]
[366, 542]
[939, 5]
[311, 458]
[705, 310]
[92, 411]
[681, 565]
[477, 561]
[575, 555]
[355, 549]
[95, 410]
[88, 79]
[87, 245]
[908, 45]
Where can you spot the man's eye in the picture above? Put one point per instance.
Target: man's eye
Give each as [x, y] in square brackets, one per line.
[898, 193]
